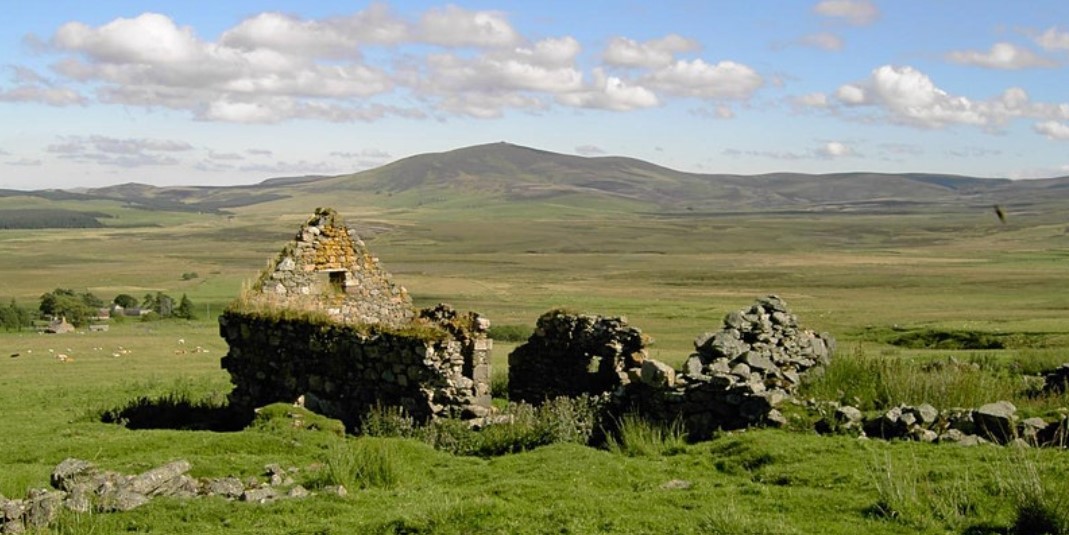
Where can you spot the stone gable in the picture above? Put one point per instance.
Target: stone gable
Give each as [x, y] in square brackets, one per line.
[328, 268]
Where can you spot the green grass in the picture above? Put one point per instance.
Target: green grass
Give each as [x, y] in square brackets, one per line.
[674, 277]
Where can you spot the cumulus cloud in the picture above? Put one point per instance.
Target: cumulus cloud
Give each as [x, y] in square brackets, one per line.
[856, 12]
[610, 93]
[625, 52]
[822, 40]
[1001, 56]
[907, 96]
[1052, 39]
[1052, 129]
[696, 78]
[273, 67]
[455, 26]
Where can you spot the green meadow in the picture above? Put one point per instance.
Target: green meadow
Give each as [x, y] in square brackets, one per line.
[864, 278]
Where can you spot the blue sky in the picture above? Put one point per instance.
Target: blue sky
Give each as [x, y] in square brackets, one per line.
[234, 92]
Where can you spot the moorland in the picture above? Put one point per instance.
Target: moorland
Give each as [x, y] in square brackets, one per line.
[875, 260]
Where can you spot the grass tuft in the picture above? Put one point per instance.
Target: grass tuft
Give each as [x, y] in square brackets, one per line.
[636, 436]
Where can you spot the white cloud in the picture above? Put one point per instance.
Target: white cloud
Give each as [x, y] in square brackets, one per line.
[834, 149]
[273, 67]
[696, 78]
[851, 95]
[1001, 56]
[856, 12]
[811, 100]
[904, 95]
[130, 152]
[1052, 129]
[1052, 39]
[822, 40]
[53, 96]
[32, 87]
[456, 26]
[610, 93]
[625, 52]
[224, 156]
[589, 150]
[24, 162]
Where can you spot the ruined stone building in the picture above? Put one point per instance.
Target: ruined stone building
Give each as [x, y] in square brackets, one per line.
[325, 323]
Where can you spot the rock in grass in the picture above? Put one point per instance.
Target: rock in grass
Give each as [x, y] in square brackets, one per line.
[996, 421]
[70, 472]
[164, 480]
[227, 487]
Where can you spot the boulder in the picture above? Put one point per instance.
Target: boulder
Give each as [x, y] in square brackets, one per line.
[996, 421]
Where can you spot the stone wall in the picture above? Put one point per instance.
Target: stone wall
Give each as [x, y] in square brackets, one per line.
[572, 354]
[736, 378]
[324, 323]
[434, 369]
[328, 268]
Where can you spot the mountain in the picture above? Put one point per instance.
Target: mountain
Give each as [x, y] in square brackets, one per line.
[507, 173]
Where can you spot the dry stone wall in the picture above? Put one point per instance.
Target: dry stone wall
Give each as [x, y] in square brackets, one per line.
[573, 354]
[736, 378]
[342, 371]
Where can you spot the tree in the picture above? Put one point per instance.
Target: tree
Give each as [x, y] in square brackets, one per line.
[64, 302]
[125, 301]
[185, 309]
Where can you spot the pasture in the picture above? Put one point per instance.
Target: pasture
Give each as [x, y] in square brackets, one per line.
[855, 276]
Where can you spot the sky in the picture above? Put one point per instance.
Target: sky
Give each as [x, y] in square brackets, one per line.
[234, 91]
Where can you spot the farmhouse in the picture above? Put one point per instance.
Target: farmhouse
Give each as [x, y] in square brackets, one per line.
[325, 323]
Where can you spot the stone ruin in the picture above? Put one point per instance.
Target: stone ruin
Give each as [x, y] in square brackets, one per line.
[324, 325]
[736, 378]
[329, 269]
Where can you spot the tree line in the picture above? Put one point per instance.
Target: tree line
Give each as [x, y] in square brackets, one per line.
[80, 307]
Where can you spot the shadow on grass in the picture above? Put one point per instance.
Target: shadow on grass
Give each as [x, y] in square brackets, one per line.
[178, 412]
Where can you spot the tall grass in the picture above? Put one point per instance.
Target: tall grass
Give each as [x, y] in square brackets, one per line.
[878, 382]
[362, 463]
[909, 496]
[636, 436]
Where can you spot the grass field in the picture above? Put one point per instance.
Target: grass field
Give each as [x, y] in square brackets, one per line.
[673, 276]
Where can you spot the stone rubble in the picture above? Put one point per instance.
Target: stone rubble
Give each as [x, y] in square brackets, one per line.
[993, 423]
[81, 487]
[737, 377]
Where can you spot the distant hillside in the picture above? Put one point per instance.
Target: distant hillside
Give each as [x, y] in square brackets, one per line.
[502, 173]
[42, 218]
